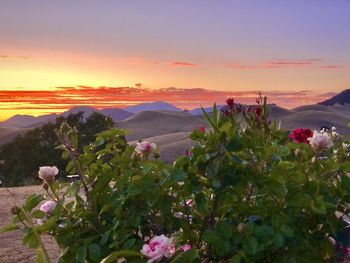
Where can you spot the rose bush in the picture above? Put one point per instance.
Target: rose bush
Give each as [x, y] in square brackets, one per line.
[248, 191]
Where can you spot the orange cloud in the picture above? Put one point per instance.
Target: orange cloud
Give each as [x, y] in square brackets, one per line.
[2, 56]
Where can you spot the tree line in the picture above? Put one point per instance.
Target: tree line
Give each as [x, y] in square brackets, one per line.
[20, 158]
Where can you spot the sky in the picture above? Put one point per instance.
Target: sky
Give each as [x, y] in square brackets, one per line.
[59, 54]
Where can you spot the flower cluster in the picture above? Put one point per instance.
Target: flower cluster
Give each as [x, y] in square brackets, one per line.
[318, 140]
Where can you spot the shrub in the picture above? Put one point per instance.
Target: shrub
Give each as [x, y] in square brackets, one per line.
[245, 193]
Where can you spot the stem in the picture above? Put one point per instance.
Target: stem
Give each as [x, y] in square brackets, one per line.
[38, 237]
[209, 221]
[67, 144]
[188, 219]
[79, 171]
[54, 193]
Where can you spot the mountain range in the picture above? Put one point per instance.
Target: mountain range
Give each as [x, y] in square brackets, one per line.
[117, 114]
[169, 126]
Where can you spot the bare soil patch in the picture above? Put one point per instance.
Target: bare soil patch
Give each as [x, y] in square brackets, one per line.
[12, 249]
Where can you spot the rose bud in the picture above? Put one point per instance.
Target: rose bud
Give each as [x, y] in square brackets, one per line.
[15, 210]
[298, 152]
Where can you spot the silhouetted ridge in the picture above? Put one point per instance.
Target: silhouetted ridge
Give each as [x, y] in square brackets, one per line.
[341, 98]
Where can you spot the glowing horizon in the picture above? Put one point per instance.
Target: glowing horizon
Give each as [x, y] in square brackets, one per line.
[39, 102]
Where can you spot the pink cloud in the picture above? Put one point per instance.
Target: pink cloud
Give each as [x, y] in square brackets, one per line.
[285, 64]
[183, 64]
[332, 67]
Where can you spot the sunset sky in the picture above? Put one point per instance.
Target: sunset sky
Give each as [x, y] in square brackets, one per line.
[58, 54]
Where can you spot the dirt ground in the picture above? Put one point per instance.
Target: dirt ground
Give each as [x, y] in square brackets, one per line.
[12, 249]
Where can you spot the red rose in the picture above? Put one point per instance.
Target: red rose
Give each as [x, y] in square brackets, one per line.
[258, 111]
[230, 102]
[201, 129]
[188, 153]
[301, 135]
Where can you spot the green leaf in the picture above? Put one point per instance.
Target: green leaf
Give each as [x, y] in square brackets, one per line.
[105, 208]
[41, 257]
[318, 205]
[264, 231]
[208, 118]
[187, 257]
[287, 231]
[278, 240]
[250, 246]
[178, 175]
[129, 244]
[236, 259]
[32, 201]
[8, 228]
[38, 214]
[73, 189]
[48, 225]
[94, 252]
[81, 255]
[105, 237]
[121, 254]
[345, 167]
[31, 240]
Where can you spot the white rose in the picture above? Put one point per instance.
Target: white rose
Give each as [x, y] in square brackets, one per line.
[320, 141]
[48, 173]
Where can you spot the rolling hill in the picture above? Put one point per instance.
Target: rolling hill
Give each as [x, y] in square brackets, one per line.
[153, 123]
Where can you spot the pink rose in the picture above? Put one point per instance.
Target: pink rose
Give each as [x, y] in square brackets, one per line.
[320, 141]
[158, 247]
[186, 247]
[48, 173]
[145, 147]
[48, 207]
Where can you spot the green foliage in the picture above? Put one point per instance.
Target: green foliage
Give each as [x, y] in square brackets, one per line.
[246, 193]
[22, 156]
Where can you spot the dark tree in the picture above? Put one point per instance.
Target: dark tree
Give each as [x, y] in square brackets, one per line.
[22, 157]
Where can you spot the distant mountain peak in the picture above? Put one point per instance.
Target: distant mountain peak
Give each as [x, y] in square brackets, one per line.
[341, 98]
[151, 106]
